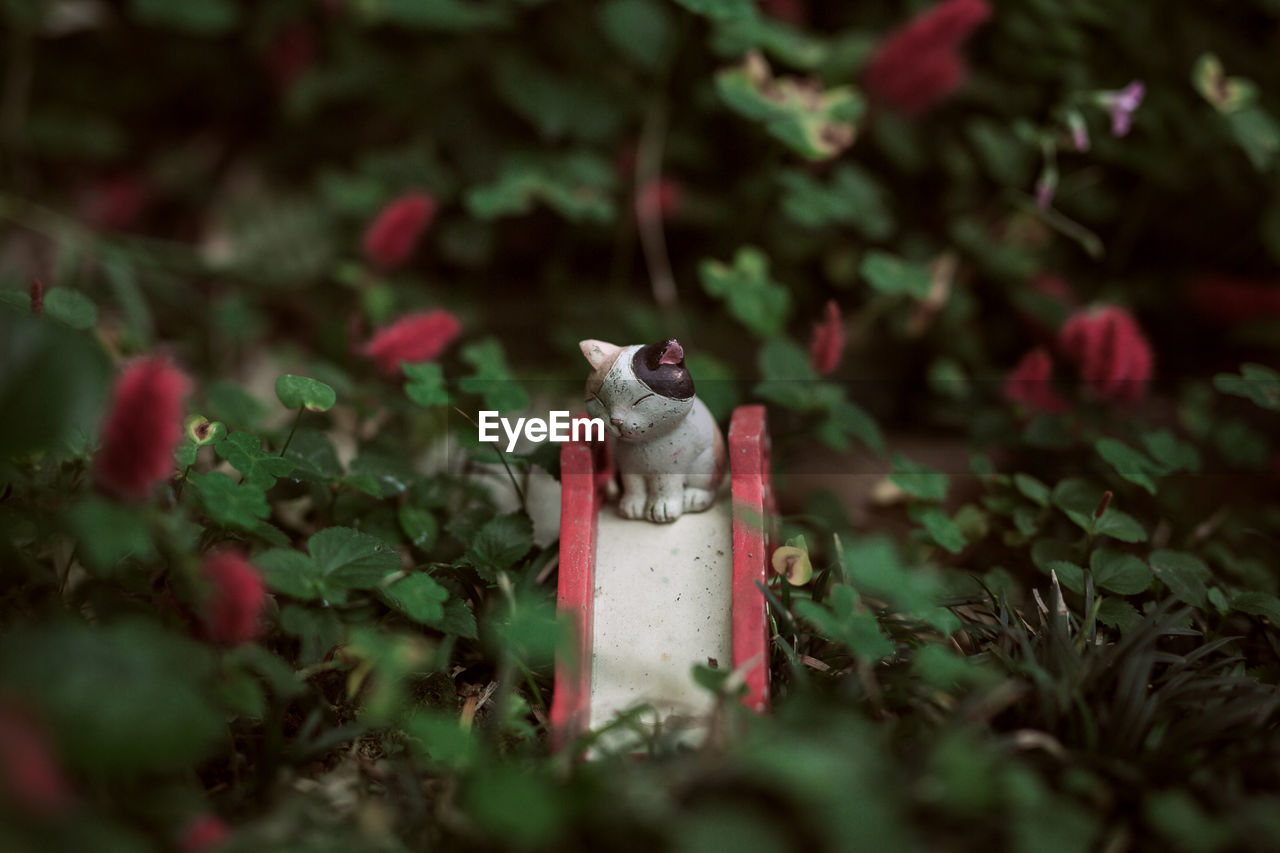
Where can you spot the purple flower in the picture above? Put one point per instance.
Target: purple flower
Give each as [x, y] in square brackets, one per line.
[1122, 105]
[1046, 186]
[1079, 131]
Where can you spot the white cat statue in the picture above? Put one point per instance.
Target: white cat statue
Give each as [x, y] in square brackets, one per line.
[668, 449]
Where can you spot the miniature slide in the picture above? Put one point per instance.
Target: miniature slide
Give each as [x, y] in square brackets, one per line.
[650, 600]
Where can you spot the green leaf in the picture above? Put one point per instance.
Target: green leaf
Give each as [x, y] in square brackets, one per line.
[1184, 574]
[493, 379]
[121, 699]
[352, 559]
[1119, 525]
[814, 123]
[318, 630]
[559, 106]
[56, 378]
[847, 622]
[420, 526]
[1032, 489]
[753, 298]
[313, 454]
[1171, 452]
[259, 468]
[290, 572]
[1117, 613]
[720, 10]
[788, 378]
[1070, 575]
[846, 418]
[442, 737]
[295, 392]
[919, 480]
[108, 532]
[1119, 572]
[71, 308]
[425, 385]
[499, 543]
[1134, 465]
[339, 559]
[228, 503]
[1255, 382]
[1183, 823]
[1078, 499]
[941, 528]
[578, 186]
[458, 619]
[892, 275]
[416, 596]
[852, 198]
[1257, 604]
[1045, 552]
[640, 30]
[197, 17]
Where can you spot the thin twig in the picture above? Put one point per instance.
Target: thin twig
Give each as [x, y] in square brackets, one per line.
[652, 237]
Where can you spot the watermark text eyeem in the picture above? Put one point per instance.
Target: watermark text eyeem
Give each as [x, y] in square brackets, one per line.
[560, 426]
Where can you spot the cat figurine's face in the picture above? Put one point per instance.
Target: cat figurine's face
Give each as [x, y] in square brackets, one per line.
[640, 392]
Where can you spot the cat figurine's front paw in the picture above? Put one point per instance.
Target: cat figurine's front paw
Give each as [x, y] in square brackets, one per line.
[664, 509]
[632, 505]
[696, 500]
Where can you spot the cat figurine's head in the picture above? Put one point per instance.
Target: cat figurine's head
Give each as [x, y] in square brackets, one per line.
[640, 392]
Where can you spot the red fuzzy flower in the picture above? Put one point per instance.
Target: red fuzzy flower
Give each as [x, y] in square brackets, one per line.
[235, 605]
[1110, 350]
[143, 426]
[391, 236]
[794, 12]
[413, 338]
[918, 65]
[290, 54]
[1031, 383]
[29, 773]
[827, 344]
[658, 199]
[203, 833]
[114, 202]
[1228, 301]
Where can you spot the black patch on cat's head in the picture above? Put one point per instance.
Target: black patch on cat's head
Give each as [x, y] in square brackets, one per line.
[669, 380]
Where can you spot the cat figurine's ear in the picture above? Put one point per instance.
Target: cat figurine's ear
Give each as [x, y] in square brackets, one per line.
[599, 353]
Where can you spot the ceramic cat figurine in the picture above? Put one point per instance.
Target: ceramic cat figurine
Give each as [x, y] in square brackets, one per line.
[668, 448]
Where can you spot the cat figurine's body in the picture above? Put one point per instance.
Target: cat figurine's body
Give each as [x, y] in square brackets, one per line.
[668, 449]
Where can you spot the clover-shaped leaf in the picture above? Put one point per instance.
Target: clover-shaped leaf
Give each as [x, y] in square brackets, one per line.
[297, 392]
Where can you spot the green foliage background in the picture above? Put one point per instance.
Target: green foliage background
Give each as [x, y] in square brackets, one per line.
[989, 657]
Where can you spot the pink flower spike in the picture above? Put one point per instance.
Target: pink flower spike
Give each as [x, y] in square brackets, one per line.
[30, 776]
[918, 65]
[142, 428]
[234, 611]
[203, 833]
[413, 338]
[1122, 105]
[1031, 383]
[394, 232]
[827, 345]
[1110, 350]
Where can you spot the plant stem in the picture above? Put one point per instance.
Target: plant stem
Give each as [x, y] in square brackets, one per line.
[294, 429]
